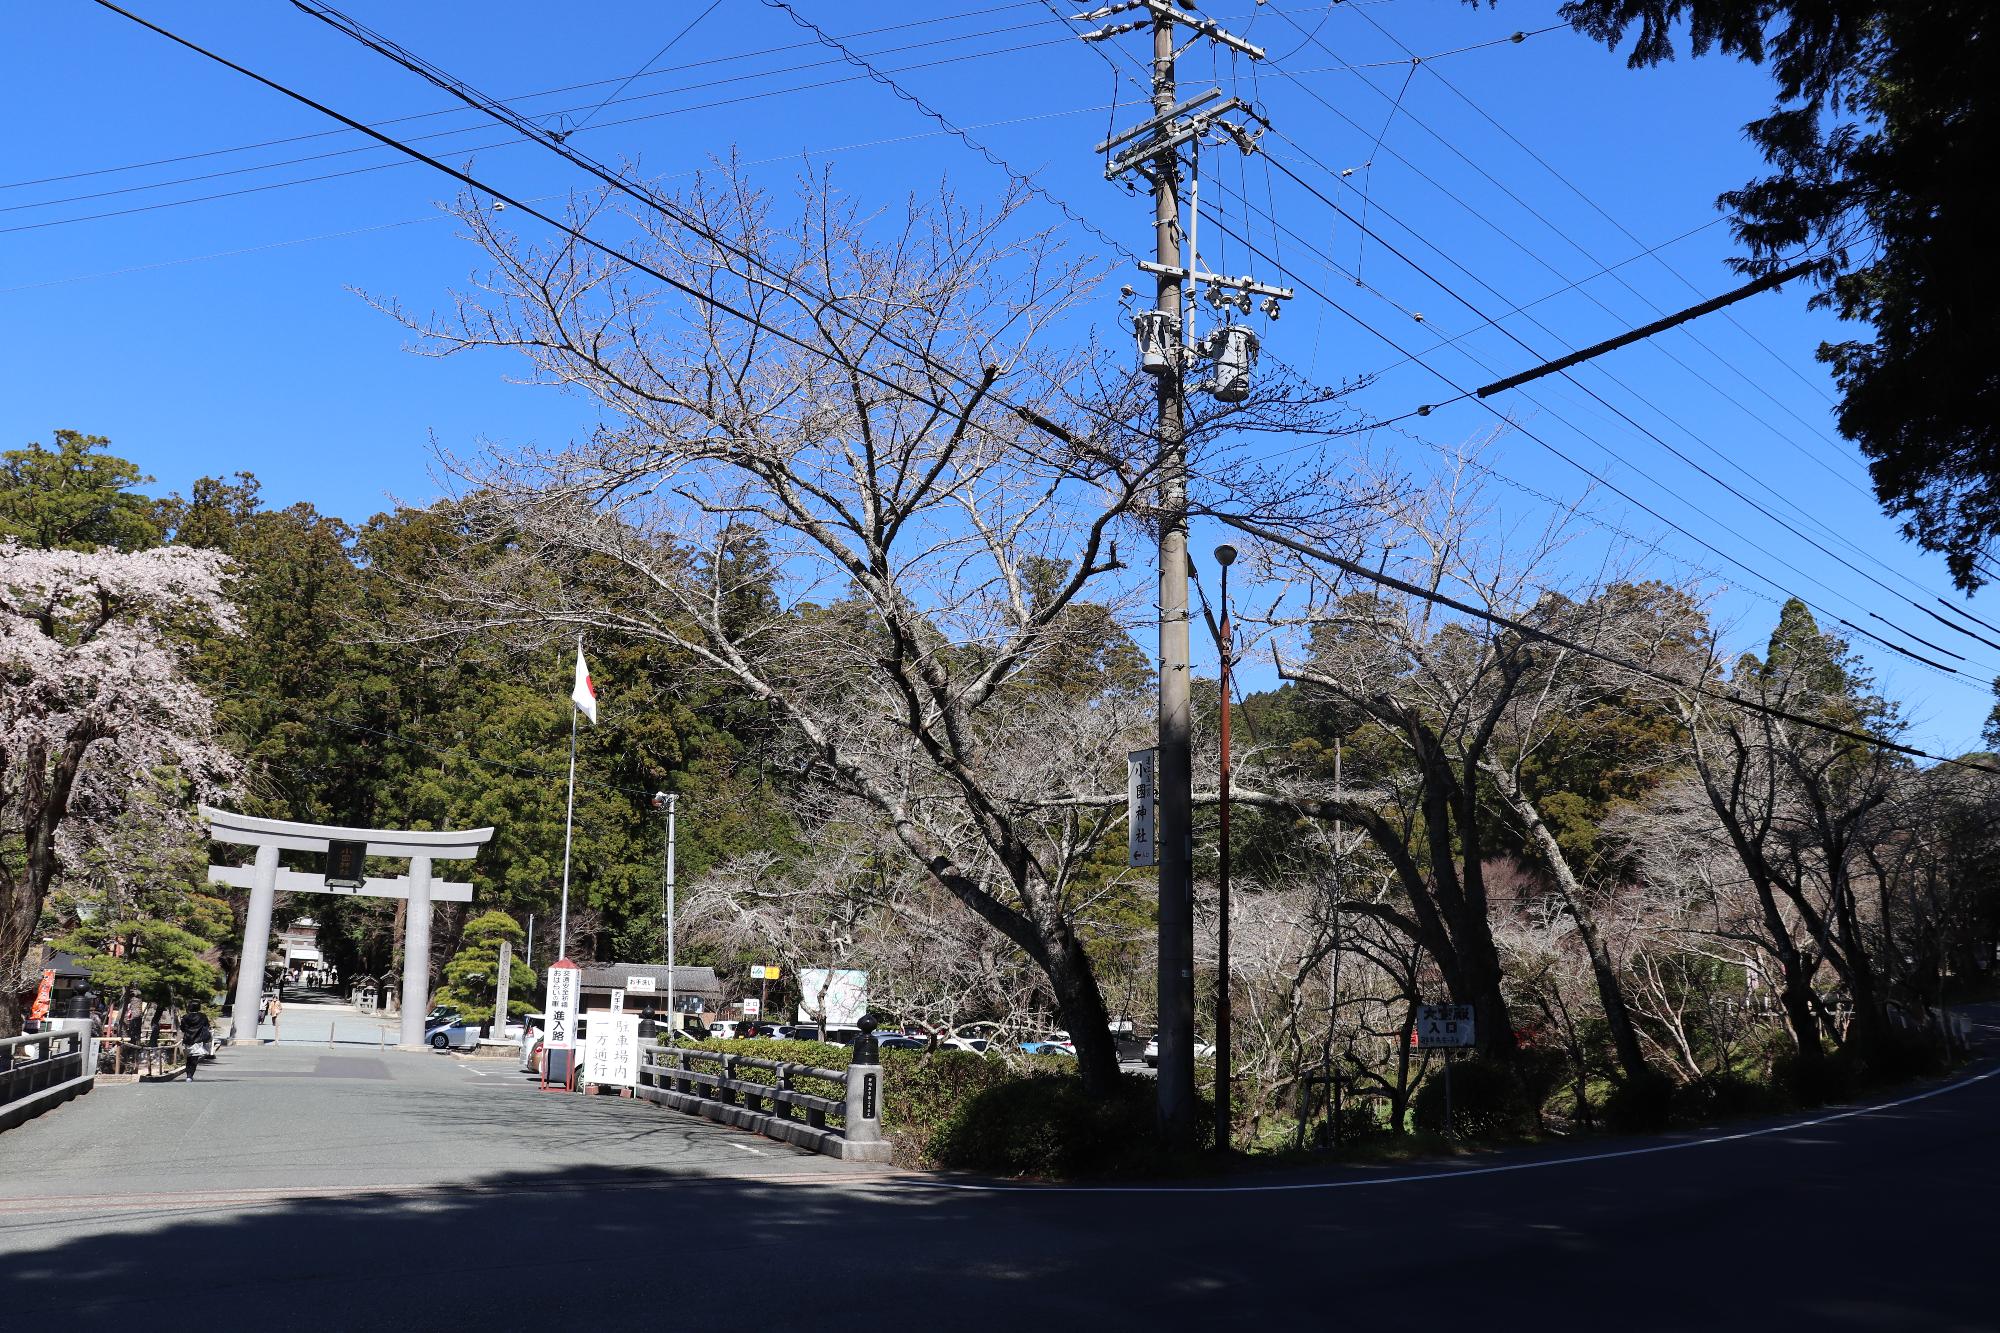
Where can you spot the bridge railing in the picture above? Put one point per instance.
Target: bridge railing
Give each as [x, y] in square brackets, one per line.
[764, 1096]
[42, 1070]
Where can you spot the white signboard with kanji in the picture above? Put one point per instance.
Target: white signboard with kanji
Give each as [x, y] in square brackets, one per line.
[1139, 810]
[1444, 1025]
[611, 1051]
[642, 985]
[559, 1003]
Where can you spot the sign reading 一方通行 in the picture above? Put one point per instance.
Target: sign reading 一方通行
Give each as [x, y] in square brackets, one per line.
[1444, 1025]
[559, 1004]
[611, 1051]
[346, 864]
[641, 985]
[1139, 796]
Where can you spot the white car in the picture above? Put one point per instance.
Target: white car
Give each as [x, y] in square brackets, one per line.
[452, 1035]
[1202, 1051]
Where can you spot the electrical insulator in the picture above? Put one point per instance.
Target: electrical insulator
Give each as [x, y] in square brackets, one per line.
[1234, 348]
[1158, 334]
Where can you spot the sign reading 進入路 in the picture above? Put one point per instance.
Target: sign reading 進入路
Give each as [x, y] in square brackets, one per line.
[559, 1003]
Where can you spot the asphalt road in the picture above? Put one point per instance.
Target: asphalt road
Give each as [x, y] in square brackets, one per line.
[339, 1190]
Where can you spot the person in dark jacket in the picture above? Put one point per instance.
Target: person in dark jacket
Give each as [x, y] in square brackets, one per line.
[195, 1036]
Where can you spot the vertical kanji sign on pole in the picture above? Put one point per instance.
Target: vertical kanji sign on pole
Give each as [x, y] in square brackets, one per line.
[565, 986]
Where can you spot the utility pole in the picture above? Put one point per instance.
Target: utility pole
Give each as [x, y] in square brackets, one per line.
[1225, 556]
[1165, 351]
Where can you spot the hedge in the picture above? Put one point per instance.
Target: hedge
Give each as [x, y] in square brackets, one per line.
[961, 1110]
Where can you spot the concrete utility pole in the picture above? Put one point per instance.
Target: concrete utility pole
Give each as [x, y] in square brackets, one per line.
[1165, 352]
[1176, 810]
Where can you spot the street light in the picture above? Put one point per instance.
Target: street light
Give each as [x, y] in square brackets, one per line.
[665, 801]
[1225, 556]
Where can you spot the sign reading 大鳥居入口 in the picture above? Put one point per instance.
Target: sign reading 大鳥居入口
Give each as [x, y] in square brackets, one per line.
[1444, 1025]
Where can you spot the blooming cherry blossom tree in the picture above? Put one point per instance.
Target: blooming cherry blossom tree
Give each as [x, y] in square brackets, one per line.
[94, 696]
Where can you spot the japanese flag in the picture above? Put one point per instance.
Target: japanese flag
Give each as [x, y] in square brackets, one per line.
[584, 696]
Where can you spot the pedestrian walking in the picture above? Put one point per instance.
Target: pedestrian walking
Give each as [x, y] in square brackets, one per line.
[195, 1037]
[277, 1007]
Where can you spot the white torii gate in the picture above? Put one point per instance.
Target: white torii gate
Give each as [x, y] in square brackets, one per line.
[266, 877]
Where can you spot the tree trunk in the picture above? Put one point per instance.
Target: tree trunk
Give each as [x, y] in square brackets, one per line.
[1610, 994]
[1081, 1005]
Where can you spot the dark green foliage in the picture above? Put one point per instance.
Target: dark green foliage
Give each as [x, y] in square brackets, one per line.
[1882, 137]
[74, 497]
[957, 1110]
[1047, 1125]
[1489, 1100]
[1641, 1103]
[472, 976]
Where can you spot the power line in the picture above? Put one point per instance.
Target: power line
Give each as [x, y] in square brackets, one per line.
[672, 41]
[1605, 482]
[1023, 179]
[477, 148]
[1628, 419]
[1530, 209]
[957, 377]
[708, 63]
[1618, 660]
[535, 199]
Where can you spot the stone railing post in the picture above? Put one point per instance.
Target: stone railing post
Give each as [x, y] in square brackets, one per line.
[864, 1104]
[783, 1083]
[727, 1095]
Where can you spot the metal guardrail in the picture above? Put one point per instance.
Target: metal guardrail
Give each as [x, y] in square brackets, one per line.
[42, 1070]
[713, 1084]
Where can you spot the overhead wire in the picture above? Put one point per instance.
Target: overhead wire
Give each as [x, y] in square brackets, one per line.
[1605, 482]
[1565, 642]
[1627, 417]
[956, 377]
[706, 63]
[1532, 211]
[735, 100]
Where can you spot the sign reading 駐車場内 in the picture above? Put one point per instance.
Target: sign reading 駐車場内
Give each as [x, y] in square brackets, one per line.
[559, 1004]
[1444, 1025]
[611, 1051]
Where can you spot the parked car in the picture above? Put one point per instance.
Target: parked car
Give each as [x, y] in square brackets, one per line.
[1048, 1047]
[896, 1041]
[1202, 1051]
[452, 1034]
[977, 1045]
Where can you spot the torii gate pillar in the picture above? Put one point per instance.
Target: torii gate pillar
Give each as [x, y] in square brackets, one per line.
[265, 878]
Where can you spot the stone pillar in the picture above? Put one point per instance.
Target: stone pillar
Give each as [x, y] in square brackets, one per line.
[256, 944]
[500, 999]
[864, 1104]
[416, 997]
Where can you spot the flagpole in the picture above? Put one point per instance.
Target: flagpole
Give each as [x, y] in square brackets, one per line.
[569, 828]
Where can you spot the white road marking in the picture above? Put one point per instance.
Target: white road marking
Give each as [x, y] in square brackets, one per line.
[480, 1072]
[1450, 1173]
[744, 1147]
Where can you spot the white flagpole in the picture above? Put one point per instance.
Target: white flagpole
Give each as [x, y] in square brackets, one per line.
[569, 828]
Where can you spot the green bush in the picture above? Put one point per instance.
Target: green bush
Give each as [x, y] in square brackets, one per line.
[1638, 1104]
[1046, 1124]
[974, 1112]
[1489, 1100]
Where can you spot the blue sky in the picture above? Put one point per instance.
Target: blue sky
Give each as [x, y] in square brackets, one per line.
[212, 336]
